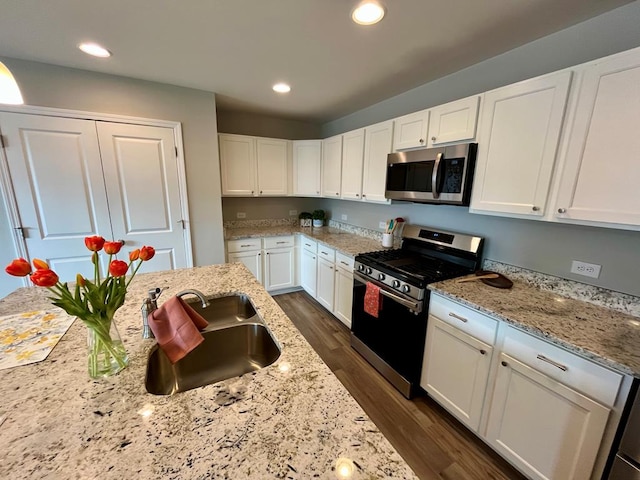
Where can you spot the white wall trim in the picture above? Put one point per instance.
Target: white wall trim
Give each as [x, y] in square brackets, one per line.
[6, 188]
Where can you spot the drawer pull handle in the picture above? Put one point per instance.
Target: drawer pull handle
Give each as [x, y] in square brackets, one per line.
[462, 319]
[278, 243]
[555, 364]
[308, 244]
[243, 246]
[324, 253]
[482, 352]
[344, 263]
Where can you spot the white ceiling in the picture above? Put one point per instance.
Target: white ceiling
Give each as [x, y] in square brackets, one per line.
[240, 48]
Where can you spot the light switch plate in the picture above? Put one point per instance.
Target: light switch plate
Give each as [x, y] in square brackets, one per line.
[382, 225]
[241, 215]
[586, 269]
[293, 213]
[343, 217]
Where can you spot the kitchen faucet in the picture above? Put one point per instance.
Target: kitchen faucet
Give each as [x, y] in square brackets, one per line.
[151, 303]
[197, 293]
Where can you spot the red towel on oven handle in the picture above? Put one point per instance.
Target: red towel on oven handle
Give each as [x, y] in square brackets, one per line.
[372, 300]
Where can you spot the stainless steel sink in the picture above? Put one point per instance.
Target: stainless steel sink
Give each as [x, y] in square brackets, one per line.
[235, 342]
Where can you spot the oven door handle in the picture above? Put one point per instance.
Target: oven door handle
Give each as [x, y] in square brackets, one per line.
[434, 176]
[415, 307]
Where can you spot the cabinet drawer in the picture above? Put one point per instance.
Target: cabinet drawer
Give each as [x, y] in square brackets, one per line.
[593, 380]
[244, 244]
[327, 253]
[279, 242]
[309, 245]
[344, 261]
[464, 318]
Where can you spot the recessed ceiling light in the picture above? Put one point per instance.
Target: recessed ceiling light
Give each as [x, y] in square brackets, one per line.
[281, 88]
[368, 13]
[95, 50]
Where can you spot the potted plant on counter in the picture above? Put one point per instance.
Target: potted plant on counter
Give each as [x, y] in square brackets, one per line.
[305, 219]
[318, 218]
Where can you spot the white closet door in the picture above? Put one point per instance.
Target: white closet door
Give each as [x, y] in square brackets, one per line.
[141, 174]
[57, 179]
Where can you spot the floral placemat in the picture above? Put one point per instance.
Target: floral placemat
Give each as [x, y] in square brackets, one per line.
[29, 337]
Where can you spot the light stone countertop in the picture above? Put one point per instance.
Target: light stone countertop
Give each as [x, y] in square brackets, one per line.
[344, 242]
[607, 336]
[272, 423]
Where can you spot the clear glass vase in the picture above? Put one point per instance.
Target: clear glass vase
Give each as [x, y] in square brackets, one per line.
[106, 353]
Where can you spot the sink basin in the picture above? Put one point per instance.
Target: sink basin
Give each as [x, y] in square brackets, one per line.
[235, 342]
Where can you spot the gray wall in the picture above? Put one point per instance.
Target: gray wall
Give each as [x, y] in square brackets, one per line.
[266, 207]
[60, 87]
[609, 33]
[266, 126]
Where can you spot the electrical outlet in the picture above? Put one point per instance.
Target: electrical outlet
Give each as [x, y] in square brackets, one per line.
[585, 269]
[241, 215]
[343, 217]
[382, 225]
[293, 213]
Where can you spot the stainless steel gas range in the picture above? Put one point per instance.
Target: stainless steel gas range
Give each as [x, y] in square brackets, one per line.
[392, 338]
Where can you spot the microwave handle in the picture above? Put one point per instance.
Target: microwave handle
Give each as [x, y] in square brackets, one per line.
[434, 177]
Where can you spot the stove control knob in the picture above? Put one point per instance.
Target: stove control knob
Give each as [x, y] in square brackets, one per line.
[369, 271]
[396, 284]
[381, 276]
[361, 268]
[406, 288]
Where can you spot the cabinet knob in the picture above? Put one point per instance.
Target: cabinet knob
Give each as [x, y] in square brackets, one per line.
[433, 139]
[318, 193]
[337, 193]
[535, 209]
[251, 192]
[562, 210]
[422, 140]
[260, 192]
[482, 352]
[357, 194]
[504, 364]
[364, 196]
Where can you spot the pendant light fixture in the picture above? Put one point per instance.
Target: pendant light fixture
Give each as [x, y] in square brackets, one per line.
[9, 90]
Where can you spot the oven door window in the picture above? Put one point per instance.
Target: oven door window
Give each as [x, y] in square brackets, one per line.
[397, 335]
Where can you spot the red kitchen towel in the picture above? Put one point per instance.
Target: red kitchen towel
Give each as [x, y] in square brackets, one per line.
[372, 300]
[176, 327]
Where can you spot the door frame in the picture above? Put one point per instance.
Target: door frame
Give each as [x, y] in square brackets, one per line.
[6, 187]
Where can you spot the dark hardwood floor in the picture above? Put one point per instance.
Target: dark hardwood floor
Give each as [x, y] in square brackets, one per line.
[432, 442]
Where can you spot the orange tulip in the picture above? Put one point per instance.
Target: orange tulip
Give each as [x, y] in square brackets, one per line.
[147, 253]
[134, 255]
[44, 278]
[80, 280]
[94, 243]
[18, 268]
[118, 268]
[40, 264]
[112, 247]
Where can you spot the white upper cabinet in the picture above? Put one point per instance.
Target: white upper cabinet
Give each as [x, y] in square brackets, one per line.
[307, 161]
[601, 176]
[410, 131]
[254, 166]
[520, 127]
[238, 165]
[377, 145]
[454, 122]
[331, 166]
[352, 158]
[273, 166]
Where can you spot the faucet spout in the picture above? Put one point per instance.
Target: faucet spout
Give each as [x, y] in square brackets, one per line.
[197, 293]
[149, 305]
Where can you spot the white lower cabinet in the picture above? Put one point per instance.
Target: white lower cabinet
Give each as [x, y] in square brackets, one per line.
[309, 266]
[325, 283]
[343, 289]
[271, 260]
[549, 412]
[546, 429]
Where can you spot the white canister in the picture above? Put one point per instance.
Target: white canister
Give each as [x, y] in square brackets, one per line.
[387, 240]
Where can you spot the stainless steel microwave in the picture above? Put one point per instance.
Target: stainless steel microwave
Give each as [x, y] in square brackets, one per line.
[432, 175]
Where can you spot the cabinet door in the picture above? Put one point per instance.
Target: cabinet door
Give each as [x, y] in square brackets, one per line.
[272, 160]
[454, 121]
[343, 295]
[377, 146]
[141, 175]
[237, 165]
[279, 268]
[308, 272]
[57, 179]
[331, 166]
[602, 172]
[410, 131]
[517, 145]
[307, 159]
[546, 429]
[352, 158]
[455, 371]
[325, 284]
[252, 260]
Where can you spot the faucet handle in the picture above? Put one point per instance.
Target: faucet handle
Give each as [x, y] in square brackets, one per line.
[155, 293]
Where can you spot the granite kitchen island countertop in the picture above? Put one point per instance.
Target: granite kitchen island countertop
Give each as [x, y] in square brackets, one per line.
[347, 243]
[292, 420]
[607, 336]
